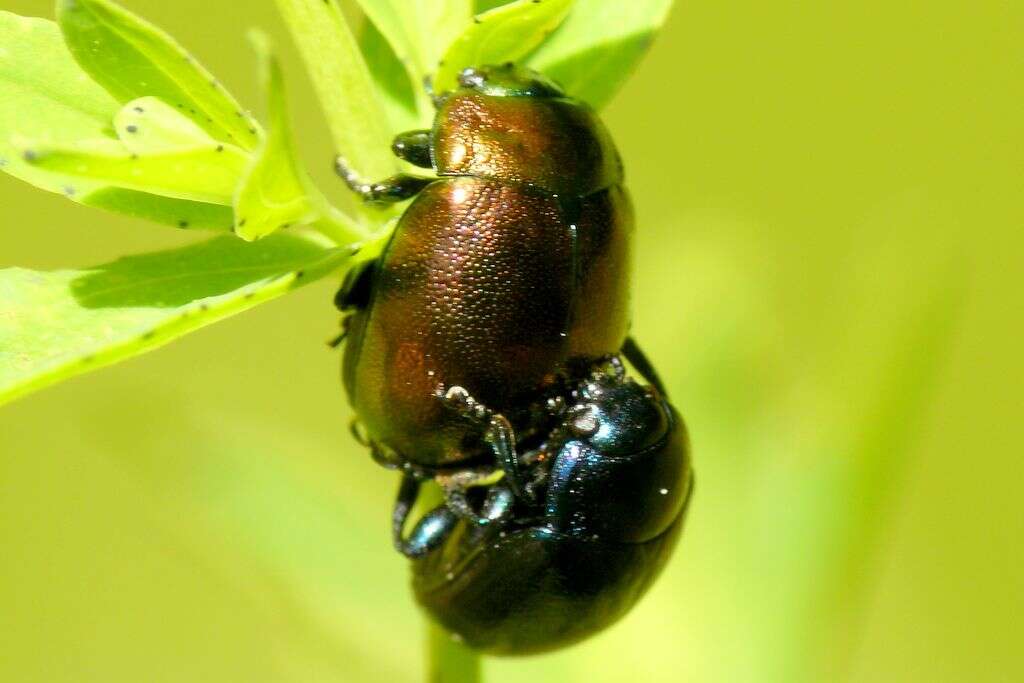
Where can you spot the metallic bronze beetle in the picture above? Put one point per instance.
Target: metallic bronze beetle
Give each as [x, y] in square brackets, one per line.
[504, 286]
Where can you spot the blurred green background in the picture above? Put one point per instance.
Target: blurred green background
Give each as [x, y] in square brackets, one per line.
[829, 268]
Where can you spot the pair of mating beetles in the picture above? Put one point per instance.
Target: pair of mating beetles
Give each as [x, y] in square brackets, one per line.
[483, 351]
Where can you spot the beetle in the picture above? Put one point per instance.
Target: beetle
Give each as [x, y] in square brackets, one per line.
[564, 564]
[505, 278]
[483, 350]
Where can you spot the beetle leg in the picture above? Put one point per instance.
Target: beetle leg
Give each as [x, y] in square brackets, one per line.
[502, 440]
[638, 359]
[429, 532]
[498, 504]
[457, 484]
[356, 288]
[454, 487]
[413, 146]
[498, 434]
[394, 189]
[436, 99]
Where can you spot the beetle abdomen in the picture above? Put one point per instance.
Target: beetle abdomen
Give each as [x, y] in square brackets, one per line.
[533, 590]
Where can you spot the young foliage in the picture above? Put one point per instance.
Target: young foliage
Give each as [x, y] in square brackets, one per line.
[54, 325]
[149, 125]
[180, 213]
[599, 45]
[202, 175]
[504, 34]
[402, 97]
[112, 112]
[396, 21]
[343, 83]
[273, 193]
[132, 58]
[418, 31]
[439, 23]
[46, 99]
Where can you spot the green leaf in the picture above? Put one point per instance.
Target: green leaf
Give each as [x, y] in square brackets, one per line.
[484, 5]
[273, 193]
[203, 175]
[418, 31]
[181, 213]
[54, 325]
[397, 24]
[599, 45]
[149, 125]
[440, 22]
[504, 34]
[395, 86]
[45, 98]
[131, 58]
[343, 83]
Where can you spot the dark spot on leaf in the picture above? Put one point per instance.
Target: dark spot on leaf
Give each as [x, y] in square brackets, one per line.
[220, 148]
[148, 335]
[253, 131]
[477, 20]
[241, 223]
[139, 110]
[132, 129]
[299, 274]
[249, 295]
[88, 359]
[204, 307]
[29, 155]
[182, 224]
[135, 156]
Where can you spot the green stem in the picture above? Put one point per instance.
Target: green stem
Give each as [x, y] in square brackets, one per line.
[449, 661]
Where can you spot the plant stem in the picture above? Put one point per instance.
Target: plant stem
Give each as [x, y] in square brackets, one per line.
[449, 661]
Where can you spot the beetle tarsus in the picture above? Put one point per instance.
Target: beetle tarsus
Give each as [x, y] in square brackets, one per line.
[429, 532]
[397, 188]
[497, 505]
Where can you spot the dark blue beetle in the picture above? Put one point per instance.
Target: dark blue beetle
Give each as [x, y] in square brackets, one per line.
[602, 516]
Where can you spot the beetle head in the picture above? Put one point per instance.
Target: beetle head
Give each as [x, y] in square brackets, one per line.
[617, 416]
[509, 80]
